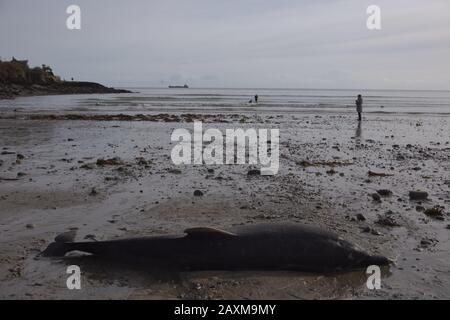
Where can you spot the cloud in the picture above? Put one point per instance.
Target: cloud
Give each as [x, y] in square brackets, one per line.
[248, 43]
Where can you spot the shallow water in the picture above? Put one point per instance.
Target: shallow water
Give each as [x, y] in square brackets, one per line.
[237, 100]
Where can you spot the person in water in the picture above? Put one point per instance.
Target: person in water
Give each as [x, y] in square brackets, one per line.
[256, 98]
[359, 103]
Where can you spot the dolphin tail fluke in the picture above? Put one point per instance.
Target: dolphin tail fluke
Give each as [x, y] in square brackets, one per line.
[56, 249]
[61, 246]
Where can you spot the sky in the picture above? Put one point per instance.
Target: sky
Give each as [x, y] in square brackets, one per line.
[235, 43]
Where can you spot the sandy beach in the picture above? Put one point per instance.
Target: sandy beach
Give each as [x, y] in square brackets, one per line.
[51, 182]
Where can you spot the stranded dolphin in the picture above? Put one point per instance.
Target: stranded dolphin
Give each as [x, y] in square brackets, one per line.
[255, 247]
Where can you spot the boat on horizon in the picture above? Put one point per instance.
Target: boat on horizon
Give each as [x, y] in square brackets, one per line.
[179, 87]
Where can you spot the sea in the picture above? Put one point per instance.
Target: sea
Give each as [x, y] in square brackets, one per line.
[220, 100]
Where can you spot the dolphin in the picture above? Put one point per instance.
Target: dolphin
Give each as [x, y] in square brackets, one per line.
[293, 247]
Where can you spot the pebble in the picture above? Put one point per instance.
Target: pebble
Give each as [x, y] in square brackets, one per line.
[376, 197]
[198, 193]
[418, 195]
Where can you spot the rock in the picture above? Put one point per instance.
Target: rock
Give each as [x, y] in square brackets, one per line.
[88, 166]
[116, 161]
[198, 193]
[20, 156]
[418, 195]
[210, 170]
[379, 174]
[435, 212]
[174, 171]
[366, 230]
[254, 172]
[30, 226]
[387, 221]
[384, 192]
[90, 237]
[426, 242]
[142, 162]
[420, 208]
[21, 174]
[93, 192]
[376, 197]
[360, 217]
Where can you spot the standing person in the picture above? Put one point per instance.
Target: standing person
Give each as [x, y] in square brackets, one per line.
[359, 103]
[256, 98]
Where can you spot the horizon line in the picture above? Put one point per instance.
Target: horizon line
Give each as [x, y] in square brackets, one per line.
[280, 88]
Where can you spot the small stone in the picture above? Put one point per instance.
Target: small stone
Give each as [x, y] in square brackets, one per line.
[418, 195]
[435, 212]
[254, 172]
[376, 197]
[30, 226]
[88, 166]
[360, 217]
[375, 232]
[198, 193]
[366, 230]
[384, 192]
[387, 221]
[90, 237]
[93, 192]
[116, 161]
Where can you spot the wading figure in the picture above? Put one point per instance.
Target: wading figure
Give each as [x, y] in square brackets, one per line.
[359, 103]
[256, 98]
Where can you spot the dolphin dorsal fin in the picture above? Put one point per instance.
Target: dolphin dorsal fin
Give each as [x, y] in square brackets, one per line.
[208, 232]
[66, 237]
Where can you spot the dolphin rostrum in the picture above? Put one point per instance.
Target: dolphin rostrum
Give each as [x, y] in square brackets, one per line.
[255, 247]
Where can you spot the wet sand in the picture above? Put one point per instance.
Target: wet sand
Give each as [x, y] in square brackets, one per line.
[48, 169]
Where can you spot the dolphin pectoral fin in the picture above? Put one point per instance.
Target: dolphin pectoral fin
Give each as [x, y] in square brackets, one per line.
[208, 232]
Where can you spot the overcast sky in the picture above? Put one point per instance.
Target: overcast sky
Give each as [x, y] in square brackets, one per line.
[235, 43]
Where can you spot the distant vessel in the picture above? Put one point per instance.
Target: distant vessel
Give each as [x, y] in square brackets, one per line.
[179, 87]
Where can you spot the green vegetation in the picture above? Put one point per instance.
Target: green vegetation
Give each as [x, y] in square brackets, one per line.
[18, 72]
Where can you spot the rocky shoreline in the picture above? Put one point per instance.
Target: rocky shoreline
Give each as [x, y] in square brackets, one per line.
[11, 91]
[17, 79]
